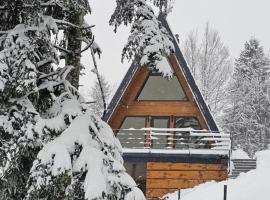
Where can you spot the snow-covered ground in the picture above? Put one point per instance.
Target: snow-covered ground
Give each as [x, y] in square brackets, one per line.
[240, 154]
[253, 185]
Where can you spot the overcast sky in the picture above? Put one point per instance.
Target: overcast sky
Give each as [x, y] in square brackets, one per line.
[236, 21]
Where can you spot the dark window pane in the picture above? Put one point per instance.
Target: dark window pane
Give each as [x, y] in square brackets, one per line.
[160, 122]
[182, 140]
[160, 88]
[133, 122]
[159, 141]
[186, 122]
[137, 170]
[132, 138]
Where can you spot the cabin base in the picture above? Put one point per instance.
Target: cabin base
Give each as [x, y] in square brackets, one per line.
[159, 174]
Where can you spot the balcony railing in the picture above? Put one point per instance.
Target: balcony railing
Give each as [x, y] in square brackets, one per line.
[174, 140]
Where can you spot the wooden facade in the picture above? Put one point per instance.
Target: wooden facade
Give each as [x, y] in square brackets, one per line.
[171, 166]
[166, 177]
[160, 174]
[129, 106]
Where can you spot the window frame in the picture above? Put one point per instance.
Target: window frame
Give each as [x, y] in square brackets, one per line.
[176, 116]
[159, 74]
[168, 126]
[140, 116]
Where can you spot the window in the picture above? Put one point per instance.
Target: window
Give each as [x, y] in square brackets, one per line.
[159, 140]
[133, 122]
[182, 140]
[137, 170]
[132, 138]
[186, 122]
[160, 88]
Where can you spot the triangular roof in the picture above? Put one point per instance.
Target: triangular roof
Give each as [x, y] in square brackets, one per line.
[186, 72]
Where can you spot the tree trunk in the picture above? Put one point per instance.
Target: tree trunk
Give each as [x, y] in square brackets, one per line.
[74, 45]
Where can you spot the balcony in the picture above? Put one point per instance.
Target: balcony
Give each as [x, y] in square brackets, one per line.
[174, 141]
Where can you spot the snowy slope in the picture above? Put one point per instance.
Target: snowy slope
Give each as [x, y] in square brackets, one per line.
[253, 185]
[240, 154]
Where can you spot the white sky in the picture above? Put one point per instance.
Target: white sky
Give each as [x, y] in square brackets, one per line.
[236, 21]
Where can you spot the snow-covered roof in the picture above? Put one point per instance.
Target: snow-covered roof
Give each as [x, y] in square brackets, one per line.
[187, 73]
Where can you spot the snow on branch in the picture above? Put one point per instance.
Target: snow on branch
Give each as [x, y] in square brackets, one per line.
[165, 6]
[87, 148]
[66, 23]
[149, 40]
[52, 3]
[63, 49]
[89, 43]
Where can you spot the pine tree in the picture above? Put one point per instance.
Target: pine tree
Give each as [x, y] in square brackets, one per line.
[24, 48]
[52, 147]
[247, 118]
[148, 39]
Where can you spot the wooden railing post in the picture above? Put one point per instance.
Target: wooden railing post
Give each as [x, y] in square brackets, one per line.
[189, 139]
[179, 194]
[225, 192]
[148, 142]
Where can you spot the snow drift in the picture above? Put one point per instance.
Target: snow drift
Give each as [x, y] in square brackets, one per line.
[248, 186]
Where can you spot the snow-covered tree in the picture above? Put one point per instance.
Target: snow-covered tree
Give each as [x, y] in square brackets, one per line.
[192, 52]
[51, 145]
[148, 39]
[69, 14]
[210, 63]
[25, 50]
[98, 105]
[247, 117]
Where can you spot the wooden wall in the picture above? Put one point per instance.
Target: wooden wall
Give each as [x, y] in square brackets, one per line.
[167, 177]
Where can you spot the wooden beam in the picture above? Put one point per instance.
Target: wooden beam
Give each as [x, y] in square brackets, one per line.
[159, 109]
[169, 184]
[154, 193]
[190, 175]
[185, 166]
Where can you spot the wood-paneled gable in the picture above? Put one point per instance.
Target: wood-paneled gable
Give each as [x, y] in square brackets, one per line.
[129, 106]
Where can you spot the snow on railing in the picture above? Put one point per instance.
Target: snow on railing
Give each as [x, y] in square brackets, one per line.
[174, 140]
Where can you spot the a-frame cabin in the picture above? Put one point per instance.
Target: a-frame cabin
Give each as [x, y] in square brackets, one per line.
[169, 136]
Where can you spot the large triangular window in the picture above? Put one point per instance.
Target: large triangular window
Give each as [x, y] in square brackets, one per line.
[158, 88]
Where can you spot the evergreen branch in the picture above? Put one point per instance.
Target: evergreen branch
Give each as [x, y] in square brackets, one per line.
[88, 27]
[90, 102]
[69, 24]
[44, 62]
[65, 23]
[89, 43]
[60, 73]
[44, 5]
[3, 32]
[63, 49]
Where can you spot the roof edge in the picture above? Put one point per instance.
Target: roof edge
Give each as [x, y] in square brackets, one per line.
[190, 79]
